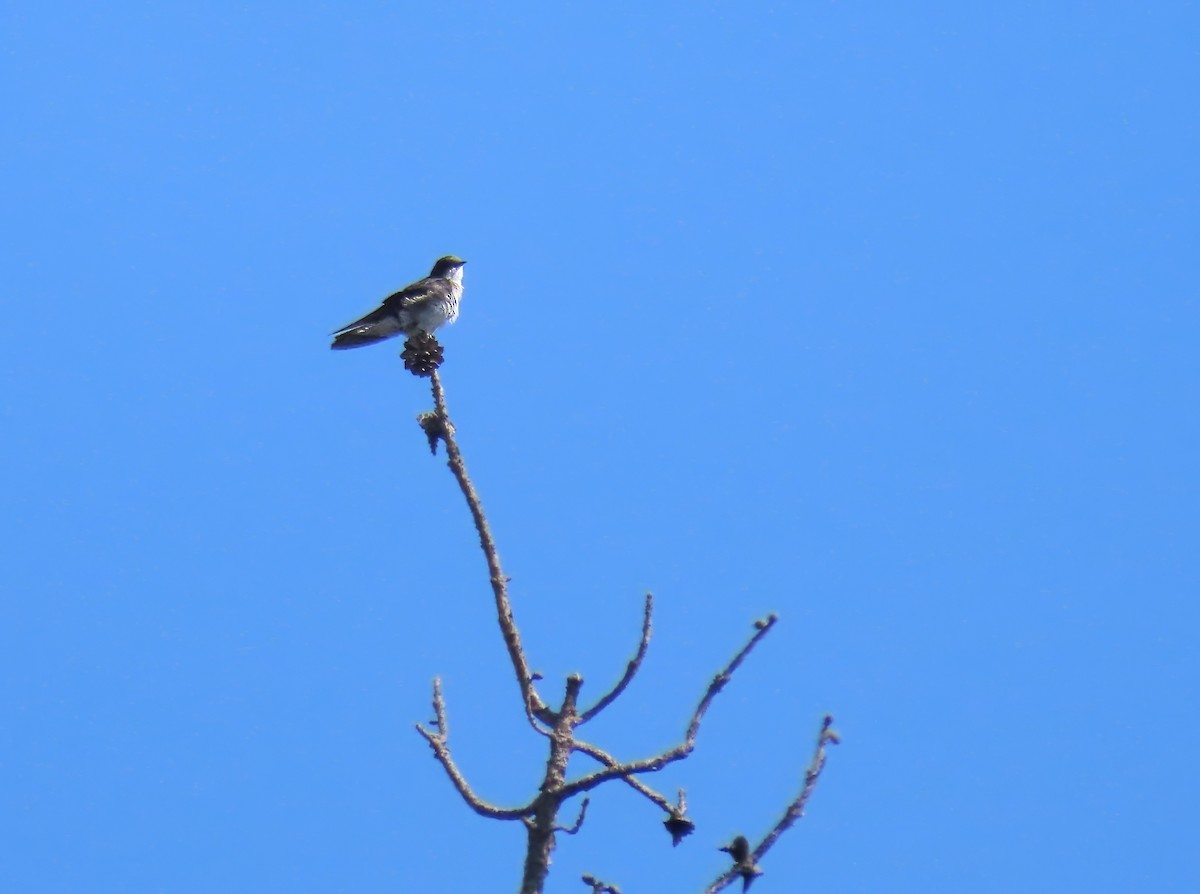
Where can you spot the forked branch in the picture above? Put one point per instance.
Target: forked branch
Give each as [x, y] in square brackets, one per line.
[684, 748]
[558, 725]
[632, 781]
[437, 741]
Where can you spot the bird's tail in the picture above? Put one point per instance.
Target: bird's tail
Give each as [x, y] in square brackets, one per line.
[355, 338]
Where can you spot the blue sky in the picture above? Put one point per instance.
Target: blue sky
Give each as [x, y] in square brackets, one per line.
[878, 316]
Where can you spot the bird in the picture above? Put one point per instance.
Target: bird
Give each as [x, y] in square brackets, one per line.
[743, 860]
[738, 849]
[418, 308]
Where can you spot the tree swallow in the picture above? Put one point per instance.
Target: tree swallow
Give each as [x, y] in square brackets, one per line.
[419, 308]
[743, 860]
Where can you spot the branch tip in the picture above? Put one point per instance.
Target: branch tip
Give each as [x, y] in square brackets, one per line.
[631, 668]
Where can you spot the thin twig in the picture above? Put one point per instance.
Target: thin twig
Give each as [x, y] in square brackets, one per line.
[684, 748]
[537, 727]
[439, 710]
[795, 810]
[504, 612]
[761, 629]
[630, 669]
[437, 741]
[571, 830]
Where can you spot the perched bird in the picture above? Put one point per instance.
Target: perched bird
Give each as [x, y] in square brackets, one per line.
[739, 849]
[743, 860]
[419, 308]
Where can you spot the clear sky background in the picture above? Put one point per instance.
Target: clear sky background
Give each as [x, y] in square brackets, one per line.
[879, 316]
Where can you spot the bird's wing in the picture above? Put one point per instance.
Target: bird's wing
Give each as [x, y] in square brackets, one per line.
[422, 290]
[406, 297]
[385, 320]
[375, 316]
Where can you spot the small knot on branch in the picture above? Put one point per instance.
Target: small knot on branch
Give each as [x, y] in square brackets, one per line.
[768, 621]
[435, 427]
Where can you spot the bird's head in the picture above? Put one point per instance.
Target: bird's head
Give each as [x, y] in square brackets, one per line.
[449, 267]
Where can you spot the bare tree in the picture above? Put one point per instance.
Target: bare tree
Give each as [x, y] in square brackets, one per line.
[560, 725]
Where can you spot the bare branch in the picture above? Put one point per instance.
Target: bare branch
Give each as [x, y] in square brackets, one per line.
[795, 810]
[571, 830]
[437, 741]
[508, 625]
[630, 669]
[761, 628]
[683, 749]
[559, 725]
